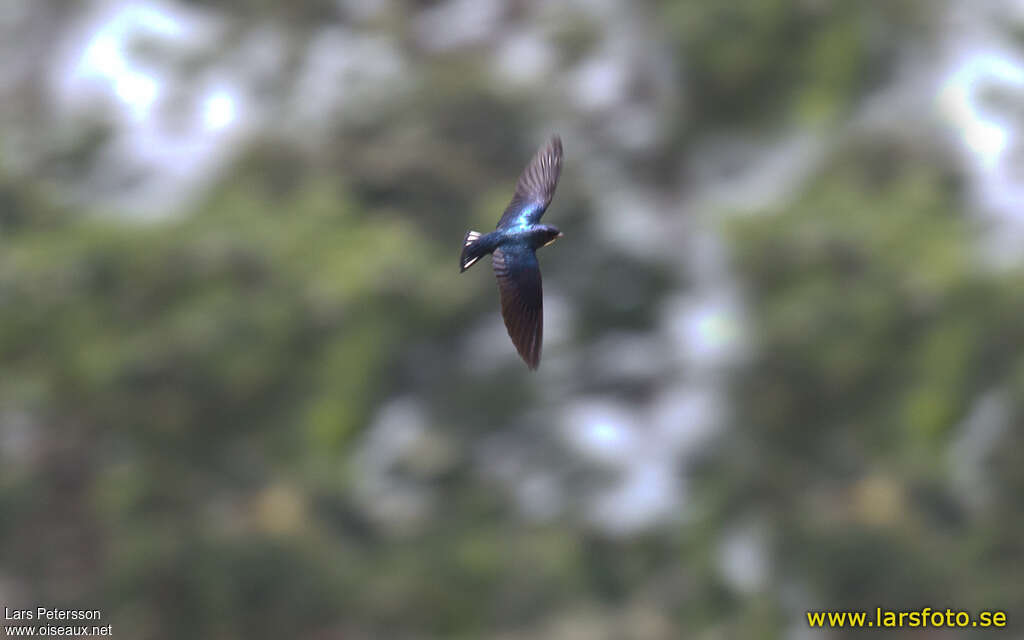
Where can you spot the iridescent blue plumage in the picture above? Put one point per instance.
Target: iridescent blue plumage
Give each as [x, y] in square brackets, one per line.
[513, 245]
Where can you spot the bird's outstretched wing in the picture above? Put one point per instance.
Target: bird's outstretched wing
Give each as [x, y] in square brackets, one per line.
[536, 186]
[522, 302]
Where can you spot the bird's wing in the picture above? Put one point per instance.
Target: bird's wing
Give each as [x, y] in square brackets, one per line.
[522, 302]
[536, 186]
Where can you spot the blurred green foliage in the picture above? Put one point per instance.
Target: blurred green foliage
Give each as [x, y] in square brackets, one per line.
[878, 331]
[188, 396]
[756, 62]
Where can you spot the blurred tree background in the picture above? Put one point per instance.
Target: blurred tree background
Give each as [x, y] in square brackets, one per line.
[247, 394]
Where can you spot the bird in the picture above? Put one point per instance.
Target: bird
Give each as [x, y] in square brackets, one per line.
[513, 248]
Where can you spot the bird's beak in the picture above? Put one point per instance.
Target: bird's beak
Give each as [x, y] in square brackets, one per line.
[552, 240]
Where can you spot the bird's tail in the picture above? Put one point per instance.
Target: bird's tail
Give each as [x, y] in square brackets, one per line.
[472, 250]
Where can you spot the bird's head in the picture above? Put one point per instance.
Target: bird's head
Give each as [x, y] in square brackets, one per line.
[549, 234]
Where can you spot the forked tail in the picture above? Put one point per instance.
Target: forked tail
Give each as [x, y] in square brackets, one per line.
[473, 249]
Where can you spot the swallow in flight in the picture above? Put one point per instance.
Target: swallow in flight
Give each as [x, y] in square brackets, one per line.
[513, 247]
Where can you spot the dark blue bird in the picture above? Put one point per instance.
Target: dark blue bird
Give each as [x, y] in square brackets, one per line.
[513, 247]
